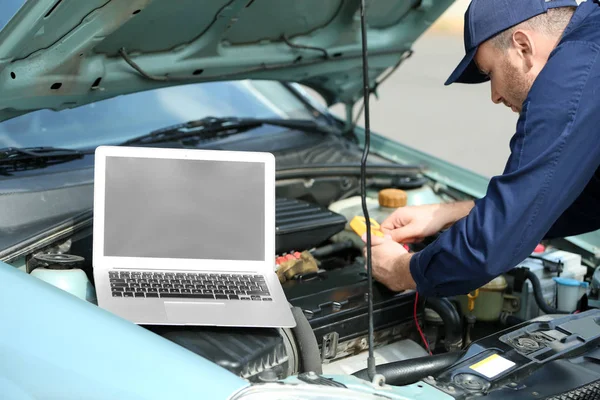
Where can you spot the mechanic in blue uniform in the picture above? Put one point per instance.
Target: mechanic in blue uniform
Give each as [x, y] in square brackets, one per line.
[542, 58]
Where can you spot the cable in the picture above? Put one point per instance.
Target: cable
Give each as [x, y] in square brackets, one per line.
[304, 47]
[423, 338]
[363, 192]
[404, 57]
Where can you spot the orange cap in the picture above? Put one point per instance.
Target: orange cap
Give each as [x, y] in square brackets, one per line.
[392, 198]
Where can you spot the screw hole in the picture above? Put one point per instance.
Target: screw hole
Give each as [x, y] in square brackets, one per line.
[13, 75]
[198, 72]
[337, 55]
[298, 59]
[136, 11]
[419, 385]
[56, 86]
[96, 83]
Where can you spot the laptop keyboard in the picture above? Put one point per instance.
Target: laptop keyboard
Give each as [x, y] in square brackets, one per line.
[188, 285]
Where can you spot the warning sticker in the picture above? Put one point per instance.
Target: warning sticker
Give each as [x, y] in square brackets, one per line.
[492, 366]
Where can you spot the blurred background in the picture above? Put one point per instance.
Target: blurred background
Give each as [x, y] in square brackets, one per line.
[458, 123]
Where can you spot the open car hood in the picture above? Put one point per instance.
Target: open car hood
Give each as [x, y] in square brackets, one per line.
[61, 54]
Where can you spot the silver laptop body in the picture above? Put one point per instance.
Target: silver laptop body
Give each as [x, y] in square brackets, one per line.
[187, 237]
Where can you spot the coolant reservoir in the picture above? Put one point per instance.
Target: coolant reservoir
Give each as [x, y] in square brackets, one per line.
[389, 201]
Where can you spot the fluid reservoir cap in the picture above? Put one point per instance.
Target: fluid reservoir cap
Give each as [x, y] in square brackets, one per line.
[392, 198]
[497, 284]
[570, 282]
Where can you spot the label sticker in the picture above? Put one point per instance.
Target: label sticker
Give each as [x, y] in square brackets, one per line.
[492, 366]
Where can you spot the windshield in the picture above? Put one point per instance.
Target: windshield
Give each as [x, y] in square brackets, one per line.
[121, 118]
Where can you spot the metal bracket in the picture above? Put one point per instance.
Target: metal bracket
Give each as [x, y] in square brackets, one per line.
[512, 304]
[329, 347]
[378, 381]
[520, 275]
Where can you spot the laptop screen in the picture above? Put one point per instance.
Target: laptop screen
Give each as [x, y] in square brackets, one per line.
[193, 209]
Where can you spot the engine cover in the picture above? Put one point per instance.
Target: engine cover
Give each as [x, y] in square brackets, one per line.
[554, 359]
[300, 225]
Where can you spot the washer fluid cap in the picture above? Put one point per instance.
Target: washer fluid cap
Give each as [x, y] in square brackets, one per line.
[570, 282]
[392, 198]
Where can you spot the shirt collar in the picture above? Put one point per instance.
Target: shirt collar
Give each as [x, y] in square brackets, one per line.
[581, 13]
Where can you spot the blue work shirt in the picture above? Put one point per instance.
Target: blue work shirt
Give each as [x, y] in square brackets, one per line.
[551, 184]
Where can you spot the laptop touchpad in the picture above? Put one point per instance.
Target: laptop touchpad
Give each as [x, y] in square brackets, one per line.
[186, 311]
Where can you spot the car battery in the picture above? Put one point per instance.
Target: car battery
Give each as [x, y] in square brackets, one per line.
[571, 268]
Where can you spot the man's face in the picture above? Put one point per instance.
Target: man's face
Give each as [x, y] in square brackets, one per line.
[510, 78]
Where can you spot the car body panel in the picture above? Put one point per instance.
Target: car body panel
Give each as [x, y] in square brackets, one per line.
[60, 346]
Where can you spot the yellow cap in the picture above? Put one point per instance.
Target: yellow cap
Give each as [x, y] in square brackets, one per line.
[392, 198]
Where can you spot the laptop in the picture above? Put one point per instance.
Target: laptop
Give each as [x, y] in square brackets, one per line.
[187, 237]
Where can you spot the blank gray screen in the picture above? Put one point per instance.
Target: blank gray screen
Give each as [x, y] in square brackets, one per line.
[184, 209]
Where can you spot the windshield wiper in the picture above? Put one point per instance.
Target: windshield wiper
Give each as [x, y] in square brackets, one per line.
[21, 158]
[212, 127]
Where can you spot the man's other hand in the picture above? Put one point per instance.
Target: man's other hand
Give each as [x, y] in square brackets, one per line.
[390, 262]
[413, 224]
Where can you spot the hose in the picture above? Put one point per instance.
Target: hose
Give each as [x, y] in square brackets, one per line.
[310, 357]
[407, 372]
[539, 296]
[333, 248]
[510, 320]
[452, 322]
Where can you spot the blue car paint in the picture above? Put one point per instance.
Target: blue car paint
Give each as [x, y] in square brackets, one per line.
[56, 346]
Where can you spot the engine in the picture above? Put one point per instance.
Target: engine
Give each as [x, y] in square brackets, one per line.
[320, 266]
[321, 269]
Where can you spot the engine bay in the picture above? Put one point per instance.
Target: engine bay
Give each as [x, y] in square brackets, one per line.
[321, 269]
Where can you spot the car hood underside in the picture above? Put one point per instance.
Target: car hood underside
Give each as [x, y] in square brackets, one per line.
[61, 54]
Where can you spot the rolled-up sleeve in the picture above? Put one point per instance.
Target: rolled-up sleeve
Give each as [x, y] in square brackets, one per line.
[554, 154]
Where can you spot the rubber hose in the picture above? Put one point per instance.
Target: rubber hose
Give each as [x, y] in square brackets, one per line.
[310, 357]
[539, 296]
[407, 372]
[511, 320]
[452, 321]
[333, 248]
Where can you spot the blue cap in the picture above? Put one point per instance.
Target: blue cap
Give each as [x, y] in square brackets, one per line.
[486, 18]
[570, 282]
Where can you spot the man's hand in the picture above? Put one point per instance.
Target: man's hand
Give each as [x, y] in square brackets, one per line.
[413, 224]
[390, 262]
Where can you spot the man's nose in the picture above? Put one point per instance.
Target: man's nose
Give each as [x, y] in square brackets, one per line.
[496, 98]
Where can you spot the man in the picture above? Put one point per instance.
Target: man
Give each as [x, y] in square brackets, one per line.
[542, 58]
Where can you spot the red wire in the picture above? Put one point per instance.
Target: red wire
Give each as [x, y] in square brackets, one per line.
[418, 326]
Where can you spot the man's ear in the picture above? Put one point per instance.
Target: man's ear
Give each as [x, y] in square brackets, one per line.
[522, 42]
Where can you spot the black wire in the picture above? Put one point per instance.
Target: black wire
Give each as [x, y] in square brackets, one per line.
[304, 47]
[404, 57]
[363, 168]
